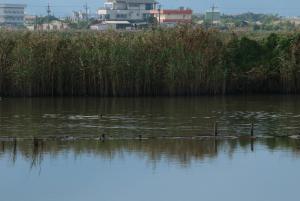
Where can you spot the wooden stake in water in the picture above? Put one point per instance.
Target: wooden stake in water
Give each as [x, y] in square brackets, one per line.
[216, 129]
[216, 146]
[35, 142]
[252, 129]
[3, 146]
[15, 144]
[14, 150]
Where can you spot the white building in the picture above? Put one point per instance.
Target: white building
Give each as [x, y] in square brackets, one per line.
[12, 14]
[106, 25]
[79, 16]
[126, 10]
[52, 26]
[30, 19]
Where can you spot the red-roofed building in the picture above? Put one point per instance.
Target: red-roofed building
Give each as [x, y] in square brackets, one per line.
[173, 16]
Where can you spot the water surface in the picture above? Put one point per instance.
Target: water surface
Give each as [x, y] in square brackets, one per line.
[272, 115]
[212, 170]
[39, 162]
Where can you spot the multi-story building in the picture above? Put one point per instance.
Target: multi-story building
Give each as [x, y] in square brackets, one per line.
[173, 17]
[12, 14]
[128, 10]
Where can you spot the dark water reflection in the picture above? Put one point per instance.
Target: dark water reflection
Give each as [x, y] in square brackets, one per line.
[272, 115]
[181, 151]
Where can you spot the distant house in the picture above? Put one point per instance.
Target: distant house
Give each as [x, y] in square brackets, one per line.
[30, 19]
[12, 15]
[53, 25]
[173, 17]
[106, 25]
[116, 14]
[126, 10]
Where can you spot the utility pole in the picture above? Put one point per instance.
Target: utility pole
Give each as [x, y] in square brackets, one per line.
[86, 8]
[35, 22]
[48, 16]
[159, 10]
[213, 14]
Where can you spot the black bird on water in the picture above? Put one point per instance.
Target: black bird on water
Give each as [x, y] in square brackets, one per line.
[103, 137]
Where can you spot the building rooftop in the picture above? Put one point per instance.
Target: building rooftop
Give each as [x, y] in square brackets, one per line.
[116, 22]
[178, 11]
[133, 1]
[12, 5]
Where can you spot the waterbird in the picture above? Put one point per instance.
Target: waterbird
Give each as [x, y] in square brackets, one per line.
[102, 138]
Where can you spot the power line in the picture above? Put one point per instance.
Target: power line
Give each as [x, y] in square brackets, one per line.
[159, 13]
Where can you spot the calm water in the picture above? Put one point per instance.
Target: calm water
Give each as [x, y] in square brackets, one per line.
[176, 170]
[265, 169]
[272, 115]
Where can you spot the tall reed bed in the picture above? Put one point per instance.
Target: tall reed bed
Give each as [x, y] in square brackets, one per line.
[180, 61]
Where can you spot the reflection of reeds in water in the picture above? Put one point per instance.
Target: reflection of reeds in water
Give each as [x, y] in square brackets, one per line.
[3, 146]
[22, 148]
[182, 151]
[14, 153]
[37, 153]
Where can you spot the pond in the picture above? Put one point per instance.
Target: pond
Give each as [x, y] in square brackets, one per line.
[51, 149]
[134, 170]
[129, 117]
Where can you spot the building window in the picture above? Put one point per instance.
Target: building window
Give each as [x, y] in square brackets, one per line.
[149, 6]
[121, 16]
[134, 5]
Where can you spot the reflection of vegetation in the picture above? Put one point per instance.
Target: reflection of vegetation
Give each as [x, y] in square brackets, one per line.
[183, 151]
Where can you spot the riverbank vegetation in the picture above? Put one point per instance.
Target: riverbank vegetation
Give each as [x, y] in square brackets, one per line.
[180, 61]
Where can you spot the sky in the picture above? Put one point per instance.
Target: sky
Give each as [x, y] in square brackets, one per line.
[65, 7]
